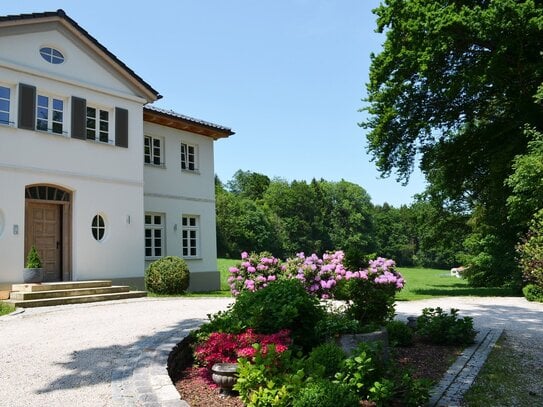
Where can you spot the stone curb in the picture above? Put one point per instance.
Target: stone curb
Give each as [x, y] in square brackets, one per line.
[143, 378]
[460, 376]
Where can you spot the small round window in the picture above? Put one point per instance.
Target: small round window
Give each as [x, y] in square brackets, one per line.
[98, 227]
[51, 55]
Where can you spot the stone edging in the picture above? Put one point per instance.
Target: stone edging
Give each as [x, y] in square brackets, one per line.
[143, 379]
[460, 376]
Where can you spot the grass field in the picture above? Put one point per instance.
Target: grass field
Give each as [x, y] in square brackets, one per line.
[420, 284]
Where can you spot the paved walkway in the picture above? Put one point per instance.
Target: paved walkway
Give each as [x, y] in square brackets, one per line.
[114, 354]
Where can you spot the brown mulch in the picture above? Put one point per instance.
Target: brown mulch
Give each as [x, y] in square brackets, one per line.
[424, 360]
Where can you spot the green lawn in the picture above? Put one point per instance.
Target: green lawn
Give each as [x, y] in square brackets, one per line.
[6, 308]
[430, 283]
[421, 284]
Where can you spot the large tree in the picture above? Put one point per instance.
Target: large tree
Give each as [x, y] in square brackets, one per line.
[455, 85]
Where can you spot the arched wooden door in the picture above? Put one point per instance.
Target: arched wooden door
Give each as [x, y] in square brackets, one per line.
[47, 226]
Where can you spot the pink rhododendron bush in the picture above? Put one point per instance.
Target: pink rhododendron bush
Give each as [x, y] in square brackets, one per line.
[369, 293]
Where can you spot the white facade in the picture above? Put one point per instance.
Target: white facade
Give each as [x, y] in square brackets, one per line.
[91, 94]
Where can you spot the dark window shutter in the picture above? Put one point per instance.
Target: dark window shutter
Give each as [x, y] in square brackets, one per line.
[27, 107]
[79, 117]
[121, 127]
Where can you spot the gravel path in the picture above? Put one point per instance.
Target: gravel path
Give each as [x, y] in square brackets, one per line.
[72, 355]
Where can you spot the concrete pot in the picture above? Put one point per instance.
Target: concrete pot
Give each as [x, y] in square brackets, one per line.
[225, 376]
[33, 275]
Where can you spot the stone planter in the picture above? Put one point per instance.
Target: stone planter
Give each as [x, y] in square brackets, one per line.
[225, 376]
[349, 342]
[33, 275]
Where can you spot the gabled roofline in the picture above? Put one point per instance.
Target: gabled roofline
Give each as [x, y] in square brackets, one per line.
[60, 16]
[169, 118]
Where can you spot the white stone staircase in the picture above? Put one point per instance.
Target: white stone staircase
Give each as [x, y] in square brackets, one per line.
[69, 292]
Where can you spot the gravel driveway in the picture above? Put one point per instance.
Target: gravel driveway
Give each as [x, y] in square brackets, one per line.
[72, 355]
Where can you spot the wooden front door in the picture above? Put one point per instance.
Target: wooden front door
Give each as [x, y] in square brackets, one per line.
[43, 228]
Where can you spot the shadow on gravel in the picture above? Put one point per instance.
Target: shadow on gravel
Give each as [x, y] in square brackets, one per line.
[88, 367]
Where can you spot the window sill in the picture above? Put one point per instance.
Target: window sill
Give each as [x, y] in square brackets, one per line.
[161, 166]
[195, 172]
[192, 258]
[52, 133]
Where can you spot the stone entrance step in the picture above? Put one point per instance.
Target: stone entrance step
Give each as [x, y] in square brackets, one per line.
[72, 292]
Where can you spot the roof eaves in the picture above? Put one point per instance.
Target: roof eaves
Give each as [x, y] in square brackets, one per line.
[62, 14]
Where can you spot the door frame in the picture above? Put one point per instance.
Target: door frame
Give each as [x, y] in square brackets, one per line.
[65, 229]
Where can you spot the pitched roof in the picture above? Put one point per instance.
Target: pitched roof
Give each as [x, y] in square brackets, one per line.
[60, 15]
[153, 114]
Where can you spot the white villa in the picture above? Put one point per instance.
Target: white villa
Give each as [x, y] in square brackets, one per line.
[98, 179]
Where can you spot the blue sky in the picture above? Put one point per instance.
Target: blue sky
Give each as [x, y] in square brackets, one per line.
[287, 76]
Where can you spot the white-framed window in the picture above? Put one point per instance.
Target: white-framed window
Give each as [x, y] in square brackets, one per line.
[97, 124]
[52, 55]
[50, 114]
[98, 227]
[5, 104]
[189, 157]
[152, 150]
[190, 236]
[154, 235]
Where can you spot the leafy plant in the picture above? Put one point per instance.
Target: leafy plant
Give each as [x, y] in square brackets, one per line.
[438, 327]
[33, 260]
[359, 371]
[531, 253]
[282, 305]
[324, 393]
[334, 323]
[270, 379]
[327, 358]
[168, 275]
[399, 334]
[533, 292]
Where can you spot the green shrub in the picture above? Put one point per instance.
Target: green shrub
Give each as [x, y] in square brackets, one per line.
[327, 358]
[282, 305]
[438, 327]
[533, 292]
[168, 275]
[324, 393]
[334, 323]
[271, 379]
[531, 253]
[361, 370]
[399, 334]
[33, 260]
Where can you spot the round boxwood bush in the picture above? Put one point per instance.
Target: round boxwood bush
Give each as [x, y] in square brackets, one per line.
[399, 334]
[168, 275]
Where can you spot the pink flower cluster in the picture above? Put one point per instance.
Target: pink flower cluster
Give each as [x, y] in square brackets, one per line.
[253, 273]
[319, 276]
[223, 347]
[383, 271]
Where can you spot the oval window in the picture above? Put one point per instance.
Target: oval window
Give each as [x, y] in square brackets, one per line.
[98, 227]
[51, 55]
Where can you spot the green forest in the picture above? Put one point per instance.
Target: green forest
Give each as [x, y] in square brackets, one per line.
[457, 89]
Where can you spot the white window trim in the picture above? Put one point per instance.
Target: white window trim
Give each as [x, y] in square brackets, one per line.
[98, 228]
[151, 154]
[11, 111]
[110, 123]
[196, 169]
[153, 227]
[188, 228]
[50, 110]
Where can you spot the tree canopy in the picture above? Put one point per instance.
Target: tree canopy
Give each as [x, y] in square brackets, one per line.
[455, 86]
